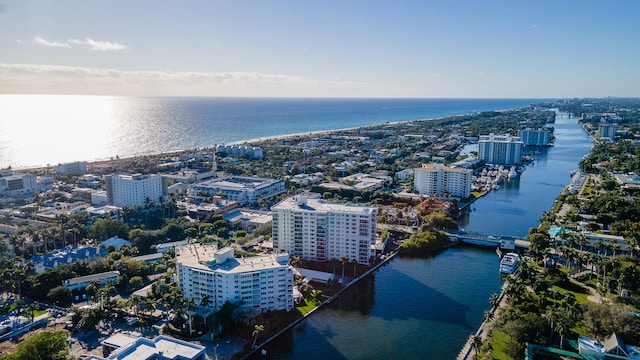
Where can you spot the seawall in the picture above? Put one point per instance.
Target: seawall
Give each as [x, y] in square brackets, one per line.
[322, 304]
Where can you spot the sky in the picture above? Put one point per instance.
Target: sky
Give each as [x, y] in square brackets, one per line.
[323, 48]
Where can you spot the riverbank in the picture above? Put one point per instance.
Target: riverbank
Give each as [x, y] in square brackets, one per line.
[324, 303]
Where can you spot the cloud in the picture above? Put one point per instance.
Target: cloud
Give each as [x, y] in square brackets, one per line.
[92, 44]
[24, 77]
[54, 44]
[533, 27]
[98, 45]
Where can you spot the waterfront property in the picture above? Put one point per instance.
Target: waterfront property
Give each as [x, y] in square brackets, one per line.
[607, 130]
[261, 283]
[317, 230]
[253, 152]
[76, 167]
[500, 149]
[433, 179]
[535, 137]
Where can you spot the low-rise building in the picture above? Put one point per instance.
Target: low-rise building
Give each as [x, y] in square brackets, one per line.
[66, 255]
[611, 347]
[246, 190]
[248, 220]
[253, 152]
[78, 167]
[18, 184]
[162, 347]
[79, 283]
[217, 206]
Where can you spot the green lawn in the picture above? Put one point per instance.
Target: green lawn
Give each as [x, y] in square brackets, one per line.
[305, 309]
[499, 345]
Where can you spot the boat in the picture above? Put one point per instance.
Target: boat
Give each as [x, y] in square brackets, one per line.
[509, 263]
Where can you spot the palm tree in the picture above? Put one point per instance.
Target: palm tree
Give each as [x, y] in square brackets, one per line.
[257, 330]
[552, 315]
[205, 300]
[515, 290]
[488, 316]
[476, 343]
[494, 300]
[343, 259]
[31, 310]
[190, 305]
[633, 241]
[354, 262]
[20, 273]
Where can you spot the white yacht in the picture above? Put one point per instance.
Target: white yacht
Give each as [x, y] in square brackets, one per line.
[509, 263]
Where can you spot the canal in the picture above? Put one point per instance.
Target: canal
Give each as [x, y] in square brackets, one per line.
[415, 308]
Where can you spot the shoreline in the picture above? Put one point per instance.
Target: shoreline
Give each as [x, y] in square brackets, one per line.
[324, 303]
[251, 141]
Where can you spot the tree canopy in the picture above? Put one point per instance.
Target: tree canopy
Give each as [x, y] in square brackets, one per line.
[45, 345]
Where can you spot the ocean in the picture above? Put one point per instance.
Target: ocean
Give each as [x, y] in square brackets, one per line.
[41, 130]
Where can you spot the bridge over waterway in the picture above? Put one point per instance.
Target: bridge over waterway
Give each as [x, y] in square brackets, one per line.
[478, 239]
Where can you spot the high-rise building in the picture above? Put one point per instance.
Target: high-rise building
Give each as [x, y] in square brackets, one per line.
[535, 137]
[607, 130]
[262, 283]
[316, 230]
[500, 149]
[136, 189]
[433, 179]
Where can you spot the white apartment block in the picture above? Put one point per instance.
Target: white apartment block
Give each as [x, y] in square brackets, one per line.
[500, 149]
[80, 283]
[19, 184]
[136, 189]
[254, 152]
[243, 189]
[262, 283]
[320, 231]
[78, 167]
[535, 137]
[433, 179]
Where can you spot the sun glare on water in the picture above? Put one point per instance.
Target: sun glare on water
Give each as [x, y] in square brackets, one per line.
[35, 126]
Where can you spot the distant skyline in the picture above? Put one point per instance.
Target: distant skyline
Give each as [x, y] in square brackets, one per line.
[420, 49]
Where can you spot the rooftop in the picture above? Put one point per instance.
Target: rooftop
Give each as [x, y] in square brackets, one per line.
[207, 257]
[318, 205]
